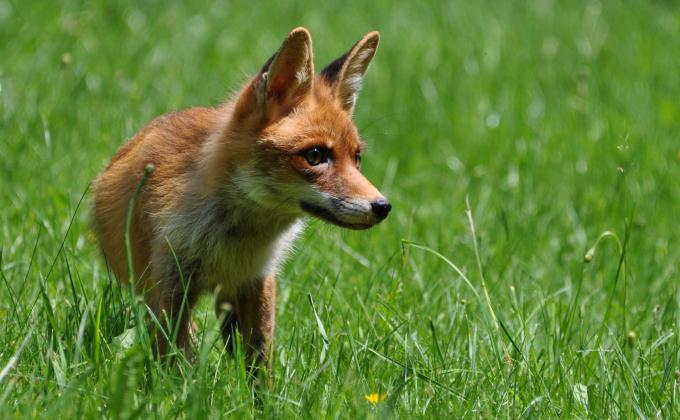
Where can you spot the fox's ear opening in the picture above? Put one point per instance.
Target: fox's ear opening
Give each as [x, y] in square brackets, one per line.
[284, 80]
[347, 72]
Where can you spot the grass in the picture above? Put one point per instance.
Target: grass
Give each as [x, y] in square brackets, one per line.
[557, 122]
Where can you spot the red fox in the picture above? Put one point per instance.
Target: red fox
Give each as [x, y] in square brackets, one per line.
[231, 188]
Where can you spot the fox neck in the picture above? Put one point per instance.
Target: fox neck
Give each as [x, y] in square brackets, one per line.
[228, 161]
[250, 214]
[228, 223]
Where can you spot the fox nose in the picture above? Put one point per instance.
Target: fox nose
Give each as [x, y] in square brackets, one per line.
[381, 208]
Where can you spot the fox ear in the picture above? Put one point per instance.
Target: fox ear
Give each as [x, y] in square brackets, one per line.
[287, 76]
[347, 72]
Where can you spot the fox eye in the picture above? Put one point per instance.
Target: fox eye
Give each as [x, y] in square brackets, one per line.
[357, 158]
[316, 155]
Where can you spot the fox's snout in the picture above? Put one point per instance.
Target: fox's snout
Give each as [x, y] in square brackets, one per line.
[354, 212]
[349, 213]
[361, 213]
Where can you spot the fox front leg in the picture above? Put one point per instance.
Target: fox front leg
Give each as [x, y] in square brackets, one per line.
[252, 313]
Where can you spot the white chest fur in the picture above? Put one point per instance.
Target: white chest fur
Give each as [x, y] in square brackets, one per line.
[232, 262]
[232, 246]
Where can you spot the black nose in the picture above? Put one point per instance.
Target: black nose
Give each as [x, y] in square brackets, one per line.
[381, 208]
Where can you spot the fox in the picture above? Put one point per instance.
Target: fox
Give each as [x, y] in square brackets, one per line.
[232, 188]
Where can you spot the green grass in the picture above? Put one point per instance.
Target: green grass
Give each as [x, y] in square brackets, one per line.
[558, 121]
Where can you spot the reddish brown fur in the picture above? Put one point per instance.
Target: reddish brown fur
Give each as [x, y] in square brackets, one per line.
[170, 143]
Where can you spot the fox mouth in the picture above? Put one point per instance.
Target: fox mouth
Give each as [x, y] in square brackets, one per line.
[328, 216]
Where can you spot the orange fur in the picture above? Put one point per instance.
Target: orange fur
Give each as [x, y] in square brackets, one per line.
[230, 186]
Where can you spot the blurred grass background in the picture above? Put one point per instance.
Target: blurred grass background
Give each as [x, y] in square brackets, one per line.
[558, 120]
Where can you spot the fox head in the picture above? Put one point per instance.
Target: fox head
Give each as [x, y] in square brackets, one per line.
[304, 152]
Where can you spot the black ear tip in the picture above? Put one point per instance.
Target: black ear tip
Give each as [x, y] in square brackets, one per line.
[331, 71]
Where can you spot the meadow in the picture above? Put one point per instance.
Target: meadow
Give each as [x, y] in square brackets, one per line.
[529, 268]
